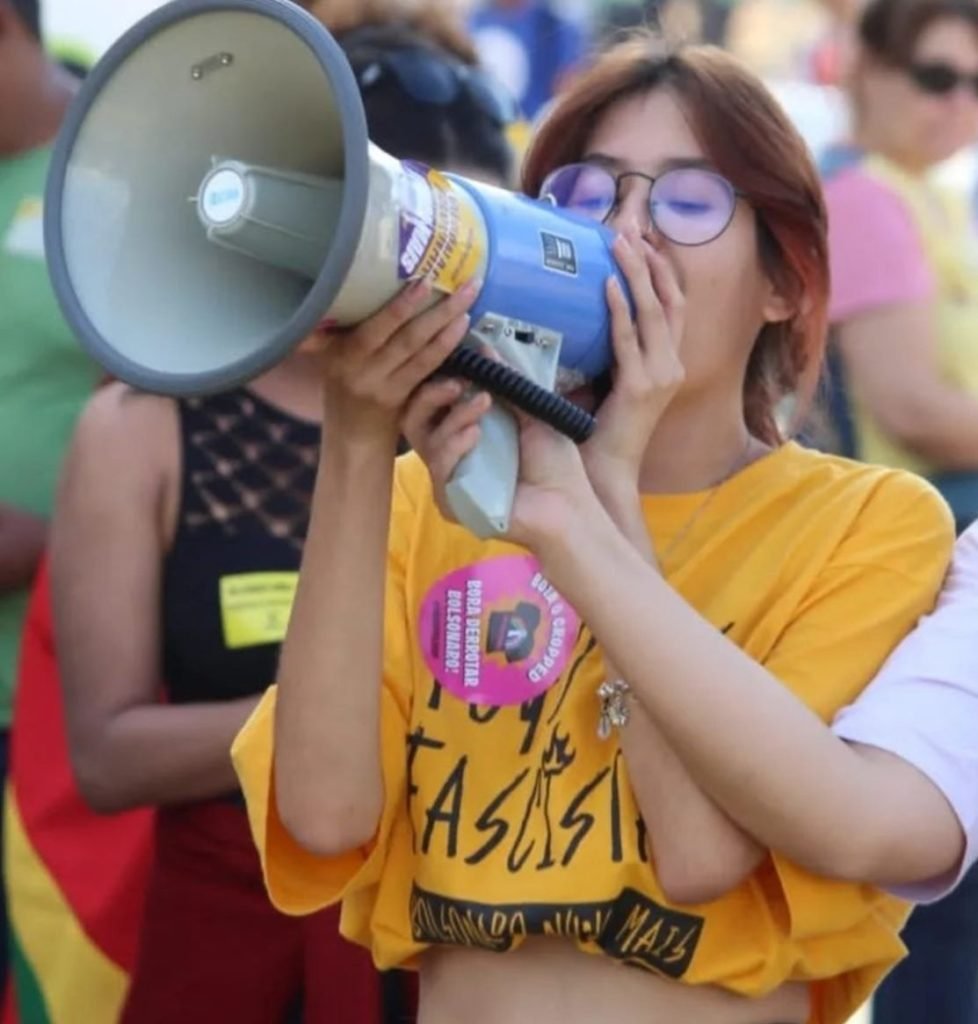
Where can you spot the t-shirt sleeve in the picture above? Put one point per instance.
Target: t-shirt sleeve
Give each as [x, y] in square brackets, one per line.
[923, 706]
[298, 881]
[875, 252]
[884, 575]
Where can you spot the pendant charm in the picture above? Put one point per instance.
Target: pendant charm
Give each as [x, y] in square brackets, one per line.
[614, 710]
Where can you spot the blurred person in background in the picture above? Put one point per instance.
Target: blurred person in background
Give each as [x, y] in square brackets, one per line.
[530, 46]
[905, 315]
[44, 376]
[712, 17]
[192, 515]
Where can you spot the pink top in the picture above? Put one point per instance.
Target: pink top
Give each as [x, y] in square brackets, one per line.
[875, 251]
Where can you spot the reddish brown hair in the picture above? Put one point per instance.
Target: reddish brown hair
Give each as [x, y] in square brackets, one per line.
[749, 139]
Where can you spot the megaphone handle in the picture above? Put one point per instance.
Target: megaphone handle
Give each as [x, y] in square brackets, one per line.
[505, 382]
[483, 486]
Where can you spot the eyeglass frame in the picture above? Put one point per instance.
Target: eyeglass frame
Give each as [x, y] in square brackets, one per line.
[618, 178]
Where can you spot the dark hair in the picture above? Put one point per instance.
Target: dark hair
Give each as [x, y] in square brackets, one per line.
[889, 29]
[750, 141]
[29, 12]
[458, 133]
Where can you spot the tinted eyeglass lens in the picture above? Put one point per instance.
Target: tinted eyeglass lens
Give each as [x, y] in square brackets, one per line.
[692, 206]
[582, 188]
[939, 79]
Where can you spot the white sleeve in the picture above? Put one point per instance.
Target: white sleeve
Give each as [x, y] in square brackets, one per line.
[923, 705]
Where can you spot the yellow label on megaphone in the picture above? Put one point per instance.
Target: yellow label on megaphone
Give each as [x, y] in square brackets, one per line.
[442, 237]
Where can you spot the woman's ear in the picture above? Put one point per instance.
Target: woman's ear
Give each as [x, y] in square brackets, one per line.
[777, 306]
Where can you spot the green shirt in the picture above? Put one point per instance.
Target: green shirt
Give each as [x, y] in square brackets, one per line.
[45, 377]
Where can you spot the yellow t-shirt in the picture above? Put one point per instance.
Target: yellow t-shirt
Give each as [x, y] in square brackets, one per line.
[505, 821]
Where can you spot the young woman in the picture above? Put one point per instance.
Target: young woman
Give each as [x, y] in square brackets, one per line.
[685, 558]
[188, 518]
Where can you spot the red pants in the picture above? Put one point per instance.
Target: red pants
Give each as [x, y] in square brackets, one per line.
[213, 949]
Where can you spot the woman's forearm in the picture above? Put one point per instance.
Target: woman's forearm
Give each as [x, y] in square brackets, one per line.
[767, 760]
[327, 728]
[160, 754]
[699, 853]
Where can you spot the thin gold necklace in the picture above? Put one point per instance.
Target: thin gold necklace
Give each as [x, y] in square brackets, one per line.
[739, 463]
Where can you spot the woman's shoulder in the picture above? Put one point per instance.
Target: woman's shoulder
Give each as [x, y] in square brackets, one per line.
[863, 181]
[868, 201]
[877, 242]
[118, 407]
[125, 432]
[865, 483]
[871, 499]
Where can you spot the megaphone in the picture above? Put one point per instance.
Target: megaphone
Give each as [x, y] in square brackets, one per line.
[213, 197]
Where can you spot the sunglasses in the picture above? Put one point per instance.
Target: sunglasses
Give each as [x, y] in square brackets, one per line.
[939, 79]
[430, 79]
[688, 205]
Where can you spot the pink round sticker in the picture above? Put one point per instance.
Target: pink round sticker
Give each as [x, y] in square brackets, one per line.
[497, 632]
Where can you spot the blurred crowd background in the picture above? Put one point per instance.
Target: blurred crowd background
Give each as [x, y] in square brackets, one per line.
[801, 48]
[798, 46]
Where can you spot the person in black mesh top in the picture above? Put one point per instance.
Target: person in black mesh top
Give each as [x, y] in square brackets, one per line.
[177, 542]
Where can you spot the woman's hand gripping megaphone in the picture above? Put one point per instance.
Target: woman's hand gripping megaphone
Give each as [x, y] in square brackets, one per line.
[371, 371]
[558, 480]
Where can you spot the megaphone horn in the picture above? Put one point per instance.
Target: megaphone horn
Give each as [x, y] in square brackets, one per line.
[213, 197]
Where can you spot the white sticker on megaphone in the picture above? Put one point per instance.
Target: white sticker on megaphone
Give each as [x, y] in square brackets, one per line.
[223, 196]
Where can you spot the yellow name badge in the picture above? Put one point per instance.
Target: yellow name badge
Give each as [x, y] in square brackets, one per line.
[255, 607]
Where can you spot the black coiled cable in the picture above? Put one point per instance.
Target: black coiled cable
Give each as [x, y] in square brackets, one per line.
[509, 384]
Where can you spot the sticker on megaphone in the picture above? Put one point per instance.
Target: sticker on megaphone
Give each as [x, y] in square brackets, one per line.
[442, 236]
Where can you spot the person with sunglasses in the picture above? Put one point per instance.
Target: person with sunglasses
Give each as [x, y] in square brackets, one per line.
[904, 311]
[903, 249]
[670, 595]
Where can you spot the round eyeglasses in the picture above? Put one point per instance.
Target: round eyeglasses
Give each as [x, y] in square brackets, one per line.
[688, 205]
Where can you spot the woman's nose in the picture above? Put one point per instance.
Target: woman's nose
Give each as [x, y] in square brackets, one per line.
[633, 208]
